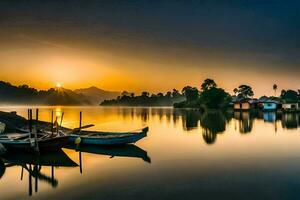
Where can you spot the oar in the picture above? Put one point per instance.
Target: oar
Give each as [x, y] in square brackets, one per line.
[83, 127]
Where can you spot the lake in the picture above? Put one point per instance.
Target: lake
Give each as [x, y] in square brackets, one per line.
[186, 155]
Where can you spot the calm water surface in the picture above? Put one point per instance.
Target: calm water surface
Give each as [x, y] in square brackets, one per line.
[187, 155]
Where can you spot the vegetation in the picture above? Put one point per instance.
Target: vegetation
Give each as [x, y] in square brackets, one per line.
[244, 92]
[145, 99]
[290, 95]
[275, 89]
[210, 97]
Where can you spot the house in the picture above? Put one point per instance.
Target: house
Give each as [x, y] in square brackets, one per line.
[270, 105]
[290, 105]
[242, 105]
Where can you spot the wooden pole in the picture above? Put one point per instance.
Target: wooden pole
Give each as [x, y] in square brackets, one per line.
[52, 173]
[37, 118]
[52, 123]
[80, 162]
[30, 122]
[30, 181]
[35, 133]
[61, 119]
[22, 171]
[36, 178]
[80, 120]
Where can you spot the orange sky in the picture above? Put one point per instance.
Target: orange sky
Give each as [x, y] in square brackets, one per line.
[124, 46]
[44, 66]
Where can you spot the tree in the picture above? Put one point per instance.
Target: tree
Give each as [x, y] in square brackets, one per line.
[275, 89]
[235, 91]
[169, 94]
[125, 93]
[208, 84]
[245, 91]
[145, 94]
[215, 98]
[175, 93]
[191, 93]
[289, 95]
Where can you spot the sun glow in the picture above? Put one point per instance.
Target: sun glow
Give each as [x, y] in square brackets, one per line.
[58, 85]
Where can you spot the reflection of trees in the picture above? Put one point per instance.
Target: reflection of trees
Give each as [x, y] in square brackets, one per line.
[290, 120]
[190, 119]
[212, 122]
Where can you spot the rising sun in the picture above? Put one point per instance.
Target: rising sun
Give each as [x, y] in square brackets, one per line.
[58, 85]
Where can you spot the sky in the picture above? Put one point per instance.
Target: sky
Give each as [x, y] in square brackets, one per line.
[150, 45]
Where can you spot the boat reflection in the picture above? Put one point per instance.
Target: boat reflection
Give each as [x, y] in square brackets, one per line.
[33, 164]
[128, 150]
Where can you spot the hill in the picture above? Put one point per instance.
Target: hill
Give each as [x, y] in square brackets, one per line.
[96, 95]
[23, 94]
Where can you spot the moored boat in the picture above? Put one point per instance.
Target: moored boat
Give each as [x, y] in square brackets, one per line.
[107, 138]
[44, 142]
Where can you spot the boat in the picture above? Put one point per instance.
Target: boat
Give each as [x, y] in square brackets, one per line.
[106, 138]
[24, 142]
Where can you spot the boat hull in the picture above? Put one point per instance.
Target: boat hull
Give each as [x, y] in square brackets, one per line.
[117, 140]
[50, 144]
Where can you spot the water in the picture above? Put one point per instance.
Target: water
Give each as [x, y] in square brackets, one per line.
[187, 155]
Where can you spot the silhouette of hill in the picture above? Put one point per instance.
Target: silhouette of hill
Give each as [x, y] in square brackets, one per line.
[97, 95]
[23, 94]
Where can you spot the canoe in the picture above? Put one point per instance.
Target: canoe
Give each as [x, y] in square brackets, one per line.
[22, 142]
[107, 138]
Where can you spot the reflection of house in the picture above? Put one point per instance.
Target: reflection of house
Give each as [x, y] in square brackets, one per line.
[290, 120]
[245, 121]
[242, 105]
[269, 116]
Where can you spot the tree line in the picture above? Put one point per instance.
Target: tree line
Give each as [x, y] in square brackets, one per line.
[209, 96]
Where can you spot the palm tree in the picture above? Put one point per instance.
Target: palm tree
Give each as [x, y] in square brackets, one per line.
[275, 88]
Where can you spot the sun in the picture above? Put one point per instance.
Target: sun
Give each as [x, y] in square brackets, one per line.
[58, 85]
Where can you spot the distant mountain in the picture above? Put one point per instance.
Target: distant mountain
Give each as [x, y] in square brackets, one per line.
[96, 95]
[23, 94]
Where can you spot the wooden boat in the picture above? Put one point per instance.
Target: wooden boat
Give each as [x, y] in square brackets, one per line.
[107, 138]
[22, 142]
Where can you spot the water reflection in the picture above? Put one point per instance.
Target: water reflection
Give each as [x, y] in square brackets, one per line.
[33, 165]
[129, 151]
[213, 122]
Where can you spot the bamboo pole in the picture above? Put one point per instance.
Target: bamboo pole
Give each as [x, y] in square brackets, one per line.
[52, 123]
[80, 162]
[80, 120]
[36, 130]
